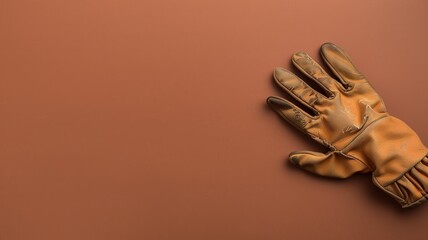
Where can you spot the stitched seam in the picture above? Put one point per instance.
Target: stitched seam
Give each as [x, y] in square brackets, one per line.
[419, 201]
[386, 190]
[361, 132]
[359, 160]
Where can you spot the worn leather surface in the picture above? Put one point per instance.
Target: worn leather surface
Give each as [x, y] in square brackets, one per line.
[351, 119]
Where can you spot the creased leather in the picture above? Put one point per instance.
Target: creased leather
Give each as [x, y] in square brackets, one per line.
[351, 119]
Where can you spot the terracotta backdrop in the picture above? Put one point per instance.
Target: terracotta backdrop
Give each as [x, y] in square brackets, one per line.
[147, 119]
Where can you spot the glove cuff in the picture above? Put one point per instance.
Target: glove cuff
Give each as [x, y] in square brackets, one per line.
[412, 188]
[398, 159]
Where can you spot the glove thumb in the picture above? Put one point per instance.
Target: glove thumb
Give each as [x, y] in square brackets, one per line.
[333, 164]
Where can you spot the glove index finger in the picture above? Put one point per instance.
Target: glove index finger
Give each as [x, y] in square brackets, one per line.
[340, 64]
[291, 113]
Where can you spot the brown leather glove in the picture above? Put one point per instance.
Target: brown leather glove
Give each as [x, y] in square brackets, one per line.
[353, 122]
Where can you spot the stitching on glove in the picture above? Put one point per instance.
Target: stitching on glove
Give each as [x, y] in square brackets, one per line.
[417, 202]
[359, 160]
[363, 128]
[400, 199]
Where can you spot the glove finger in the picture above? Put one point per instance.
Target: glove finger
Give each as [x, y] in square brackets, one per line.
[291, 113]
[341, 64]
[297, 88]
[313, 70]
[333, 164]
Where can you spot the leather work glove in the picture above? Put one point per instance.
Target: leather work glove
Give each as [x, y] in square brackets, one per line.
[352, 121]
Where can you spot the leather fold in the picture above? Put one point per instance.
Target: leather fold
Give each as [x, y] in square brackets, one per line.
[412, 188]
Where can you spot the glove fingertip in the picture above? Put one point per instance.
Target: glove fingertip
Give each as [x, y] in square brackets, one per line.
[294, 158]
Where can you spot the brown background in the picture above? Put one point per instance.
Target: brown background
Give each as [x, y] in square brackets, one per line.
[147, 119]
